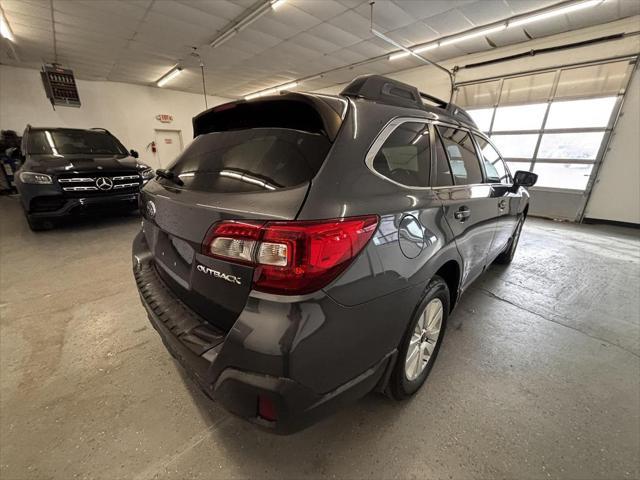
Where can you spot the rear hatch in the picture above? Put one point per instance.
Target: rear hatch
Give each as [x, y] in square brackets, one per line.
[250, 161]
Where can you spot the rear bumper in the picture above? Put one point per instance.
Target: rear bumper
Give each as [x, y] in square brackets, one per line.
[230, 373]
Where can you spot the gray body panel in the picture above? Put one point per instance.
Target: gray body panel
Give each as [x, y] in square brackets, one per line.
[327, 340]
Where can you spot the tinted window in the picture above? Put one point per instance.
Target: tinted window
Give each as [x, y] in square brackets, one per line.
[256, 159]
[462, 156]
[494, 167]
[404, 156]
[68, 142]
[443, 170]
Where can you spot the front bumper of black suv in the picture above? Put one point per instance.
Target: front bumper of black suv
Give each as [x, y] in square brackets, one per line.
[230, 373]
[56, 206]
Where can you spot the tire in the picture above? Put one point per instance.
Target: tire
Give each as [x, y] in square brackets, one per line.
[39, 224]
[508, 253]
[409, 374]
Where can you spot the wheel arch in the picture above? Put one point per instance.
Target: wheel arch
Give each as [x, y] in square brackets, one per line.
[450, 273]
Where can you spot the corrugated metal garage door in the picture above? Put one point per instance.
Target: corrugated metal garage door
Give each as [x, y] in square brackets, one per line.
[556, 123]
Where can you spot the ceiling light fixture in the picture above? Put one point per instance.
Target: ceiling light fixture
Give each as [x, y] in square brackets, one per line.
[173, 73]
[515, 22]
[553, 13]
[480, 33]
[270, 91]
[276, 4]
[5, 30]
[246, 20]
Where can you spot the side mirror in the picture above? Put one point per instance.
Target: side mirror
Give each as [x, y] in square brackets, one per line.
[523, 178]
[133, 153]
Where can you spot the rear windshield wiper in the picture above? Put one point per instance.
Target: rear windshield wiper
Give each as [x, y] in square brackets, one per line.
[169, 175]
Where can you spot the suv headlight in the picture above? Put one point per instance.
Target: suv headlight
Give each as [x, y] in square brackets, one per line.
[146, 172]
[35, 178]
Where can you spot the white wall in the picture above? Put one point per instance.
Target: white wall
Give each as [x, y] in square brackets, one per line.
[616, 194]
[128, 111]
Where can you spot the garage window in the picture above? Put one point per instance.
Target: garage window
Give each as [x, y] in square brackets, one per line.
[553, 122]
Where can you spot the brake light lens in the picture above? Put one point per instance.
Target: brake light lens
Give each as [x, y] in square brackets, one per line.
[292, 258]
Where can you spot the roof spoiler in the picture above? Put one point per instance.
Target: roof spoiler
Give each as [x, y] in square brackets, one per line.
[392, 92]
[223, 117]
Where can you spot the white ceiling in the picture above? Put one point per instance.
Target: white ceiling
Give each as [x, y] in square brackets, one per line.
[138, 41]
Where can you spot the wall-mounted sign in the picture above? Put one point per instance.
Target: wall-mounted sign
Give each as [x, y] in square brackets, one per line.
[60, 86]
[168, 141]
[164, 118]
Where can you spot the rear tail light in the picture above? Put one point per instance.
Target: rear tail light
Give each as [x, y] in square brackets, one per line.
[291, 258]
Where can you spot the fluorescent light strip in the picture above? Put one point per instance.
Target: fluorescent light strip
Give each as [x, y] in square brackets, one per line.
[173, 73]
[525, 20]
[469, 36]
[276, 4]
[553, 13]
[262, 93]
[5, 30]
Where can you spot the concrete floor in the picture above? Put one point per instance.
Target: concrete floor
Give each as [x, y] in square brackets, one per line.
[538, 377]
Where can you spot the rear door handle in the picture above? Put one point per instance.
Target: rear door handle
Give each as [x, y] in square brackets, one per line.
[502, 204]
[462, 214]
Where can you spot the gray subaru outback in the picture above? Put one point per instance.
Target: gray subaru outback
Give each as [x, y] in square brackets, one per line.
[307, 249]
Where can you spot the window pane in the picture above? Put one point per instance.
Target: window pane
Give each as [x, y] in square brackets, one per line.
[462, 156]
[493, 165]
[527, 89]
[404, 156]
[594, 112]
[482, 117]
[583, 146]
[519, 117]
[443, 170]
[515, 166]
[604, 79]
[483, 94]
[516, 146]
[563, 175]
[250, 159]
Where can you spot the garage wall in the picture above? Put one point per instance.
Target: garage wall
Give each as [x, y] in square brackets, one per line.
[615, 195]
[128, 111]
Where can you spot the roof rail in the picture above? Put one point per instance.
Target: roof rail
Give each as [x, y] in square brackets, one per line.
[384, 90]
[392, 92]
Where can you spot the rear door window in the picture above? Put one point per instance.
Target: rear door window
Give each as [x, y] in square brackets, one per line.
[464, 162]
[404, 156]
[494, 167]
[250, 160]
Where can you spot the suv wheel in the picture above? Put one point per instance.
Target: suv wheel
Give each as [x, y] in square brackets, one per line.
[507, 255]
[420, 346]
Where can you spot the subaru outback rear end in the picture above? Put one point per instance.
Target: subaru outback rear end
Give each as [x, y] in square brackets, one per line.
[269, 260]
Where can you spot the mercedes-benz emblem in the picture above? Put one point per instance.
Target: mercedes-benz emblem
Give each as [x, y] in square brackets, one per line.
[151, 209]
[104, 183]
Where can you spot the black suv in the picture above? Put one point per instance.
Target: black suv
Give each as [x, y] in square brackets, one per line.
[307, 249]
[68, 171]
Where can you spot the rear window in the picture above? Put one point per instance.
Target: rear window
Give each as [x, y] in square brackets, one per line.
[251, 160]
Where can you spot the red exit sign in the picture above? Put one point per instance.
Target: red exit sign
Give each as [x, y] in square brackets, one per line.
[164, 118]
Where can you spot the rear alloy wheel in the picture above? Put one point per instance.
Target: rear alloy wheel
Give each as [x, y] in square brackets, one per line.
[421, 344]
[507, 255]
